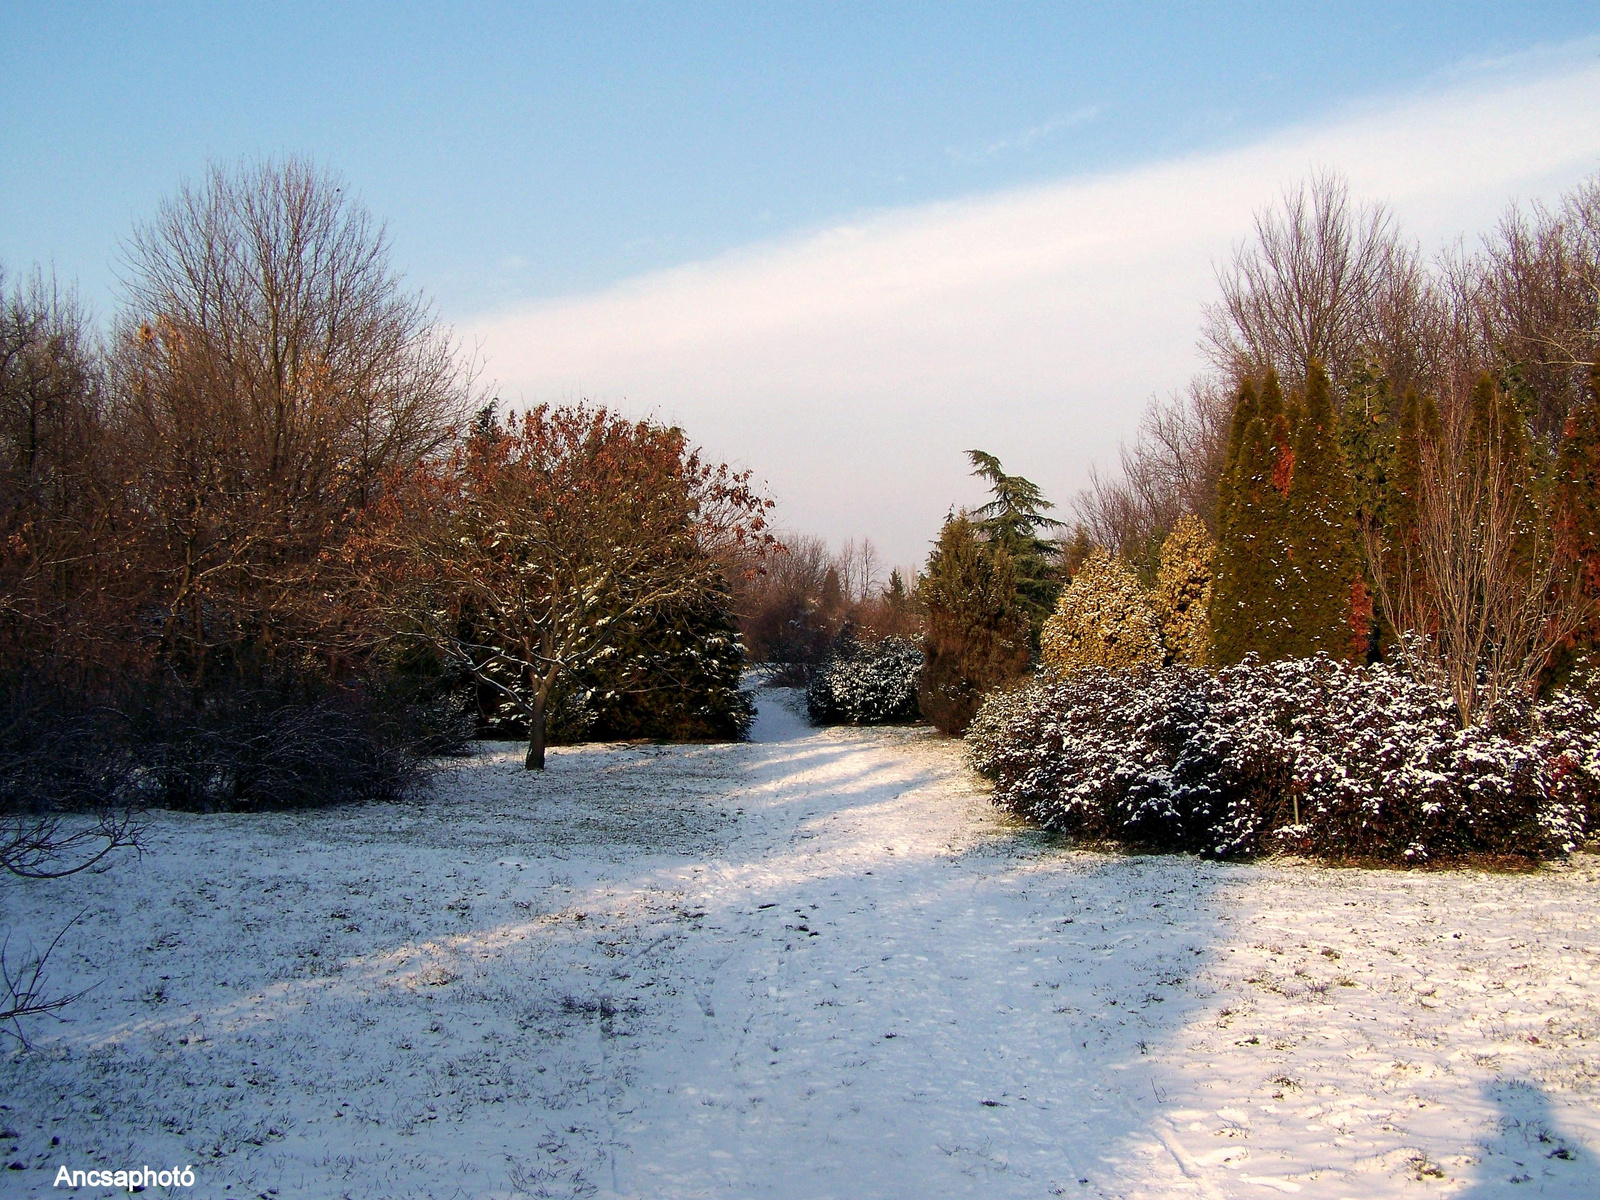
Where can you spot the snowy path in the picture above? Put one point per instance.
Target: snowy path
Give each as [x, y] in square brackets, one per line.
[817, 965]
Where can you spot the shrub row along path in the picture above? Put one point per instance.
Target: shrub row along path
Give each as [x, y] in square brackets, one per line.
[818, 965]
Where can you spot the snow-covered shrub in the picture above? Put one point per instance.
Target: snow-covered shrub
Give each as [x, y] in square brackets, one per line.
[1103, 619]
[865, 683]
[1309, 756]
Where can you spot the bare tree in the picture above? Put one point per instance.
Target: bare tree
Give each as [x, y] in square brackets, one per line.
[1323, 279]
[1171, 468]
[858, 566]
[270, 372]
[1538, 300]
[57, 504]
[800, 565]
[780, 606]
[50, 847]
[1477, 590]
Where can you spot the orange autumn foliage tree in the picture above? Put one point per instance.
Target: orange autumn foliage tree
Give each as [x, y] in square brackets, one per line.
[539, 543]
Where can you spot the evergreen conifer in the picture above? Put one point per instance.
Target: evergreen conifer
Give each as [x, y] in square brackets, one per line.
[1103, 619]
[674, 675]
[1367, 434]
[1329, 607]
[1403, 479]
[977, 635]
[1577, 513]
[1577, 487]
[1498, 429]
[1417, 425]
[832, 599]
[1074, 551]
[1253, 566]
[1182, 596]
[1014, 520]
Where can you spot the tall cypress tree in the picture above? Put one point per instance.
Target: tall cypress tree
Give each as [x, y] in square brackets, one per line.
[1367, 427]
[1253, 564]
[1403, 480]
[1499, 430]
[1577, 509]
[1396, 513]
[1231, 560]
[1327, 601]
[1577, 486]
[1245, 410]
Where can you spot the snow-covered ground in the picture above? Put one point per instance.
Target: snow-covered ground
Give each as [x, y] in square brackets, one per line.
[817, 965]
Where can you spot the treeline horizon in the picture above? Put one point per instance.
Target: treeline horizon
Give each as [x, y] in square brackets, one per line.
[273, 479]
[265, 540]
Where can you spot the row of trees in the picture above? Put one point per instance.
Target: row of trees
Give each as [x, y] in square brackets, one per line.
[255, 549]
[1425, 490]
[795, 602]
[976, 611]
[264, 480]
[1348, 576]
[1327, 279]
[1476, 534]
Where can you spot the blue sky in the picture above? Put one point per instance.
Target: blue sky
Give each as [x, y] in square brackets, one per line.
[525, 151]
[839, 243]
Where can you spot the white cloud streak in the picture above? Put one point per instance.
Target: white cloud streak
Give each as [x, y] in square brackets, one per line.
[1031, 137]
[852, 367]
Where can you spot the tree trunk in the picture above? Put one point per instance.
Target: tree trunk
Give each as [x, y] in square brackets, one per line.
[535, 759]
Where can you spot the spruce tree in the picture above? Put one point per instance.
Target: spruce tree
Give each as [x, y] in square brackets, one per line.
[895, 595]
[1014, 520]
[1327, 601]
[977, 635]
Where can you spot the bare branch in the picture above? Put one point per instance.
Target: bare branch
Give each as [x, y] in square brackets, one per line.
[25, 990]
